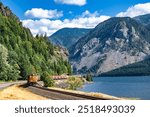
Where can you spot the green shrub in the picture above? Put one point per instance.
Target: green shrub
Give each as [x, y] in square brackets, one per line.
[48, 82]
[74, 83]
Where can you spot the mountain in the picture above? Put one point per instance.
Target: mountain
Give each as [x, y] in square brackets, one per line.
[110, 45]
[144, 19]
[148, 27]
[136, 69]
[66, 37]
[22, 54]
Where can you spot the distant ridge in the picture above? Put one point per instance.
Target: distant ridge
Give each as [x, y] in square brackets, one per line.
[66, 37]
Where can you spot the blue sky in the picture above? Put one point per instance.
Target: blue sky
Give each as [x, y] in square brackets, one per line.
[47, 16]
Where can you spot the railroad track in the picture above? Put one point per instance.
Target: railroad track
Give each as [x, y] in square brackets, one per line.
[60, 95]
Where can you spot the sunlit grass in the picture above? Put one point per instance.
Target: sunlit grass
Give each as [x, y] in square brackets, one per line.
[18, 93]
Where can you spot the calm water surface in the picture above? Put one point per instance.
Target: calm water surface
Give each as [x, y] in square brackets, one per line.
[132, 87]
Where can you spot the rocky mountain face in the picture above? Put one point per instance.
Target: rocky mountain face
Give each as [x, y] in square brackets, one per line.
[66, 37]
[111, 44]
[5, 11]
[148, 27]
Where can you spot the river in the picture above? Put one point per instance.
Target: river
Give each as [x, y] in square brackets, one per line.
[130, 87]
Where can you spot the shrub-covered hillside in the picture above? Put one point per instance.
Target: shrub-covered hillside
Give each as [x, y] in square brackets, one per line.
[22, 54]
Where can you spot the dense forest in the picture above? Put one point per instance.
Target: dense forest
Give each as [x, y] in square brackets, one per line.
[22, 54]
[136, 69]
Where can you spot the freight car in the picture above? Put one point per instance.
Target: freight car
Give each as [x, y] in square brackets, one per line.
[33, 79]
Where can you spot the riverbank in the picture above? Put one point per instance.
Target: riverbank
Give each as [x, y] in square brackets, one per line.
[99, 95]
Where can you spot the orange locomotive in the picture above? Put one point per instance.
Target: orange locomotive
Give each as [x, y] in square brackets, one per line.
[33, 79]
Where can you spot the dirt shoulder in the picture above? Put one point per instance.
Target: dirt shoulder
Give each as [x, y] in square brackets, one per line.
[18, 93]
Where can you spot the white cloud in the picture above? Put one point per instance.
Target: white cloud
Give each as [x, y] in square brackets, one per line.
[85, 20]
[42, 26]
[42, 13]
[88, 14]
[72, 2]
[138, 9]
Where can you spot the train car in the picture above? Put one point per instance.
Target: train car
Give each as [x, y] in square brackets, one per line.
[33, 79]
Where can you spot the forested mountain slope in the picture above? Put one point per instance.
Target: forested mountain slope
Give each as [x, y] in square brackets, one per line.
[22, 54]
[136, 69]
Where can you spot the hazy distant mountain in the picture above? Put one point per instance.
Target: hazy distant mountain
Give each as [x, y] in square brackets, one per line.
[68, 36]
[110, 45]
[144, 19]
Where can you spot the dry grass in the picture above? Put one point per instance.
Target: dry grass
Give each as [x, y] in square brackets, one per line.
[18, 93]
[1, 82]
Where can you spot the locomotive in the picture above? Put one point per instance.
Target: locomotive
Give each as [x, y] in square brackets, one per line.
[33, 79]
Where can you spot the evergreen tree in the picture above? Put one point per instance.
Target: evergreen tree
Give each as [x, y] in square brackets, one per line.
[89, 77]
[7, 72]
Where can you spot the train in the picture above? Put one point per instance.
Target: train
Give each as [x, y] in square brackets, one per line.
[33, 79]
